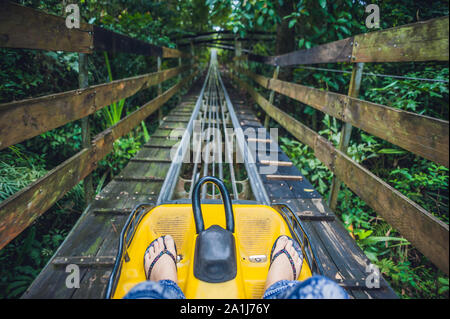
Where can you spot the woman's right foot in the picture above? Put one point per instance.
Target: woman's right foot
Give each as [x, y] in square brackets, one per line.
[164, 268]
[281, 268]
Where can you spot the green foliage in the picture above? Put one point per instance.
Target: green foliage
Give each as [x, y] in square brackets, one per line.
[124, 149]
[428, 98]
[112, 113]
[24, 171]
[308, 164]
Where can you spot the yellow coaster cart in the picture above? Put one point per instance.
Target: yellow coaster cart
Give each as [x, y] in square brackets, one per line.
[218, 255]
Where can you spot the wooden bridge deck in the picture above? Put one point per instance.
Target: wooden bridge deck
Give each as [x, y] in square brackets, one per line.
[92, 244]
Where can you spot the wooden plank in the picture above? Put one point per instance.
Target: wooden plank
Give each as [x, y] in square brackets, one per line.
[421, 41]
[174, 53]
[112, 211]
[313, 209]
[85, 239]
[140, 179]
[21, 209]
[259, 140]
[27, 28]
[419, 134]
[105, 40]
[151, 160]
[284, 178]
[337, 51]
[24, 119]
[425, 232]
[84, 261]
[275, 163]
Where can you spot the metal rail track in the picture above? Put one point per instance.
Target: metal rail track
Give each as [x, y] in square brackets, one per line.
[212, 111]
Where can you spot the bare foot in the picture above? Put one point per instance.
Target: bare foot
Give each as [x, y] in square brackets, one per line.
[281, 268]
[164, 268]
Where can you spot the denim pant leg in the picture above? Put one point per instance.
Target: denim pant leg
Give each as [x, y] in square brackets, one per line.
[316, 287]
[163, 289]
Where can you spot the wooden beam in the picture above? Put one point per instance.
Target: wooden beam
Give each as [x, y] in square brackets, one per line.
[419, 134]
[284, 177]
[338, 51]
[25, 119]
[173, 53]
[19, 210]
[105, 40]
[84, 261]
[421, 41]
[425, 232]
[200, 34]
[275, 163]
[27, 28]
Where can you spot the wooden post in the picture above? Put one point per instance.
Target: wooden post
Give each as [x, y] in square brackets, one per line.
[83, 82]
[353, 91]
[192, 60]
[237, 54]
[159, 66]
[179, 80]
[271, 97]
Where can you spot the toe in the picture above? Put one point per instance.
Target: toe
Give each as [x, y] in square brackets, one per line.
[281, 243]
[288, 246]
[160, 244]
[152, 251]
[170, 244]
[293, 254]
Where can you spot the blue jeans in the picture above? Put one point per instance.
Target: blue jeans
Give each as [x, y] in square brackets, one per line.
[316, 287]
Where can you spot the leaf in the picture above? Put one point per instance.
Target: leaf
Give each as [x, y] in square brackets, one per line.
[377, 239]
[260, 20]
[363, 234]
[443, 289]
[391, 151]
[323, 3]
[292, 23]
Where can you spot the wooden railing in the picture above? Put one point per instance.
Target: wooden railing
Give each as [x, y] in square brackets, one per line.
[421, 135]
[22, 27]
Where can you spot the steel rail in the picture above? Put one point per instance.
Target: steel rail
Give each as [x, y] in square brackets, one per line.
[174, 169]
[256, 183]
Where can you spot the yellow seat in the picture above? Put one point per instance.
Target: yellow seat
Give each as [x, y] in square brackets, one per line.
[256, 229]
